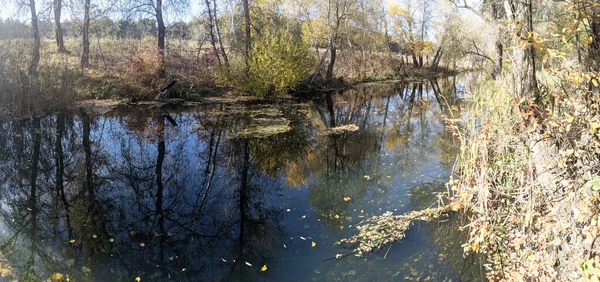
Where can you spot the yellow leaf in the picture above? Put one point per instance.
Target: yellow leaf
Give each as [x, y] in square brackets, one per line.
[142, 245]
[72, 241]
[337, 216]
[57, 276]
[264, 268]
[313, 244]
[138, 279]
[111, 240]
[347, 199]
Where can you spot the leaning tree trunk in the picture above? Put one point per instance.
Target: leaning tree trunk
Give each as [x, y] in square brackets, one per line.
[58, 28]
[329, 75]
[211, 31]
[85, 53]
[35, 50]
[219, 34]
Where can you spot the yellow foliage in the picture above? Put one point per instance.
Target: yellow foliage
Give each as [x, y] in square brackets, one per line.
[278, 62]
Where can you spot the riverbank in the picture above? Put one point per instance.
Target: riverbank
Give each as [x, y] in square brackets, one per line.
[130, 69]
[528, 174]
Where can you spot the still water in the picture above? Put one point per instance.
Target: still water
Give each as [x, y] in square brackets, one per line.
[231, 191]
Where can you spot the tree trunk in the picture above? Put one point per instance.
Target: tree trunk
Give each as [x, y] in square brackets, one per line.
[498, 60]
[329, 75]
[35, 50]
[524, 68]
[321, 62]
[437, 58]
[58, 29]
[85, 53]
[248, 35]
[161, 37]
[211, 31]
[415, 61]
[219, 35]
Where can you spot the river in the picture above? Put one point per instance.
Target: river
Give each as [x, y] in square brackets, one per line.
[232, 191]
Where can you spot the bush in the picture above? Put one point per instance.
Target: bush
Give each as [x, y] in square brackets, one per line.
[279, 60]
[142, 67]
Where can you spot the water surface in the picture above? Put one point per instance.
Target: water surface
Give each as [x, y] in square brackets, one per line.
[216, 192]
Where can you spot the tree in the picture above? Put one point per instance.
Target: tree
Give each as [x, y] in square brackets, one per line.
[337, 12]
[85, 34]
[156, 9]
[248, 44]
[57, 5]
[35, 49]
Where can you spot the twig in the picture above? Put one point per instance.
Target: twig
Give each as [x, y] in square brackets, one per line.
[385, 256]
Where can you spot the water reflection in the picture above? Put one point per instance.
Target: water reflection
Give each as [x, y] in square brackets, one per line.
[193, 195]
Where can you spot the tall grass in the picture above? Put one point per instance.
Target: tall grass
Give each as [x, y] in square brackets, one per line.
[526, 172]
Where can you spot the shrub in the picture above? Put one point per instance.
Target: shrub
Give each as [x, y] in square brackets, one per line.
[142, 67]
[279, 60]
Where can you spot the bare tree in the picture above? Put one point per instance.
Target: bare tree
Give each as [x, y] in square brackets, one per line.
[211, 30]
[219, 34]
[337, 13]
[57, 5]
[246, 7]
[156, 9]
[85, 53]
[35, 50]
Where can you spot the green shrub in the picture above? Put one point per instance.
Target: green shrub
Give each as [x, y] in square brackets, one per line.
[279, 60]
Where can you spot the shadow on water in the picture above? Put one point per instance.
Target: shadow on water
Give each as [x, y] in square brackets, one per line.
[214, 193]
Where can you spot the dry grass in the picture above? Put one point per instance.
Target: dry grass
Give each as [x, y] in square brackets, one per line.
[527, 177]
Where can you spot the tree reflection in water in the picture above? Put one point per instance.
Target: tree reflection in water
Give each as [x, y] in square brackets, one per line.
[180, 196]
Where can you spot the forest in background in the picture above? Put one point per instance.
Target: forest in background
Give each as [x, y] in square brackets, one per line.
[528, 171]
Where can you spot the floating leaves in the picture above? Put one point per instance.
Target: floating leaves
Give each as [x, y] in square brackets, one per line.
[346, 199]
[379, 231]
[138, 279]
[248, 264]
[264, 268]
[313, 244]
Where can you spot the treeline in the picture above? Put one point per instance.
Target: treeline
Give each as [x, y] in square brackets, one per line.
[263, 47]
[102, 27]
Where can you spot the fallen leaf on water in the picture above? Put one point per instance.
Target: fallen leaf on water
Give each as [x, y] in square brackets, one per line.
[264, 268]
[72, 241]
[302, 238]
[142, 245]
[313, 244]
[304, 216]
[338, 256]
[224, 260]
[337, 216]
[111, 240]
[57, 276]
[248, 264]
[347, 199]
[284, 246]
[94, 236]
[138, 279]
